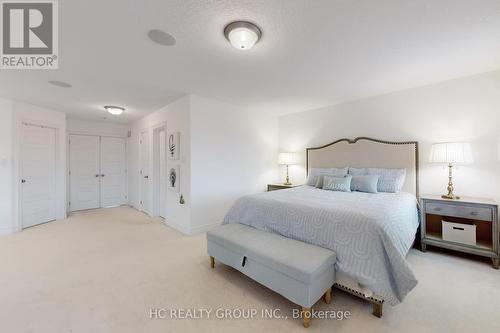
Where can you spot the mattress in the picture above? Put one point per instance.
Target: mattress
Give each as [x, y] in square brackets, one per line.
[371, 233]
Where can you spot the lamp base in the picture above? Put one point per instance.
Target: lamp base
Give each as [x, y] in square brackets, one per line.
[450, 197]
[287, 179]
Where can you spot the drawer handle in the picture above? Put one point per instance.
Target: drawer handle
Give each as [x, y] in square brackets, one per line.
[457, 228]
[244, 261]
[474, 213]
[437, 209]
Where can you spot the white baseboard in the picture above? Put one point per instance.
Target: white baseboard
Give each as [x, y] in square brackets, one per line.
[185, 230]
[203, 228]
[133, 205]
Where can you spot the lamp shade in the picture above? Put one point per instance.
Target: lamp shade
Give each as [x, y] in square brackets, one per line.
[287, 158]
[451, 153]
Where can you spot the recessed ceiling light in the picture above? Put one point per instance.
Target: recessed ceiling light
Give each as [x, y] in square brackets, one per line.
[161, 37]
[114, 110]
[242, 35]
[60, 84]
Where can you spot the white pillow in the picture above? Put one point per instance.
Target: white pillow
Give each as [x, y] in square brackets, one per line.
[312, 178]
[390, 180]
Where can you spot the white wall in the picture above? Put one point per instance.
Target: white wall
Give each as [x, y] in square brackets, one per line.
[101, 128]
[233, 153]
[466, 109]
[176, 116]
[225, 152]
[6, 161]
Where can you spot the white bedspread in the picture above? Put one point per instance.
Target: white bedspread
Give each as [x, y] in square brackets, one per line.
[370, 233]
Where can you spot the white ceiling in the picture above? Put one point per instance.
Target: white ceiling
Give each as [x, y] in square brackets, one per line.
[312, 54]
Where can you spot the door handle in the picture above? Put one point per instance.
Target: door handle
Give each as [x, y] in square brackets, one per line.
[146, 177]
[103, 175]
[96, 176]
[23, 181]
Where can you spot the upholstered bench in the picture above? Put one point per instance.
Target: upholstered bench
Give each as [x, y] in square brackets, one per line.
[298, 271]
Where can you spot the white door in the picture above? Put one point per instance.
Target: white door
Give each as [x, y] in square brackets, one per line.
[144, 173]
[113, 172]
[163, 173]
[84, 172]
[38, 175]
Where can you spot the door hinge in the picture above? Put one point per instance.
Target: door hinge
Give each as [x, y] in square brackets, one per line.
[69, 203]
[70, 172]
[141, 202]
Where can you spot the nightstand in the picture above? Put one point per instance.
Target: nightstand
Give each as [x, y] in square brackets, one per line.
[467, 225]
[274, 187]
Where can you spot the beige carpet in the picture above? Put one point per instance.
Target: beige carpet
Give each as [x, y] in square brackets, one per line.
[103, 270]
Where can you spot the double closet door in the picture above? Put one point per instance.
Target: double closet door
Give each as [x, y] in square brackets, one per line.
[98, 172]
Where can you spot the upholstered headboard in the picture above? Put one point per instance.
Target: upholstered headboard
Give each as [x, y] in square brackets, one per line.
[366, 152]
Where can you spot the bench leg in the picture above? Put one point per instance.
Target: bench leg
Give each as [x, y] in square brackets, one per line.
[377, 309]
[496, 262]
[212, 262]
[306, 317]
[328, 296]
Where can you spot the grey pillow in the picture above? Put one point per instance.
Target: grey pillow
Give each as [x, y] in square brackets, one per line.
[312, 178]
[320, 178]
[390, 180]
[342, 184]
[365, 183]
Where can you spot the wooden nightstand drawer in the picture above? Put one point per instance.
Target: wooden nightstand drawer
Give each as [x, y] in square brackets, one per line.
[468, 212]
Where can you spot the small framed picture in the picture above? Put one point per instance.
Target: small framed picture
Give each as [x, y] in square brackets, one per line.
[174, 145]
[174, 178]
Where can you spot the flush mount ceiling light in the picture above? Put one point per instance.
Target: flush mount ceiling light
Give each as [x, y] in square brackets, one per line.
[242, 35]
[60, 84]
[161, 37]
[114, 110]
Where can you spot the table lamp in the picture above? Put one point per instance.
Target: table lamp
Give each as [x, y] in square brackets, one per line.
[451, 153]
[287, 159]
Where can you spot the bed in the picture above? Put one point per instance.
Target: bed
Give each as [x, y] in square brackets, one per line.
[370, 233]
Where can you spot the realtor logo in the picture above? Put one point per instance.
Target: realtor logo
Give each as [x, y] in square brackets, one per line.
[29, 37]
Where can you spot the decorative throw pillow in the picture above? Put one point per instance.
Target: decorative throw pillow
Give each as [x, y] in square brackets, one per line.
[312, 178]
[390, 180]
[342, 184]
[319, 180]
[365, 183]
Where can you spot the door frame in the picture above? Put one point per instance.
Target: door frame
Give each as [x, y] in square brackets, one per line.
[60, 170]
[142, 208]
[155, 181]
